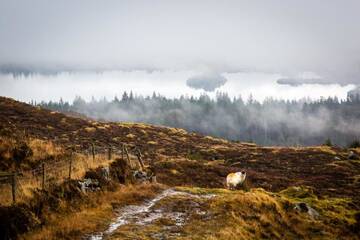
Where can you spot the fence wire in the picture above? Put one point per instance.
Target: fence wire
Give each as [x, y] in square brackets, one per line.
[58, 170]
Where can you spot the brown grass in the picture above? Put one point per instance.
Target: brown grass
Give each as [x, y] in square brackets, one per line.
[258, 214]
[93, 215]
[43, 149]
[56, 161]
[54, 175]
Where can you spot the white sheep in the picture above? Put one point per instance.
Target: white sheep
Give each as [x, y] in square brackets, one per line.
[235, 179]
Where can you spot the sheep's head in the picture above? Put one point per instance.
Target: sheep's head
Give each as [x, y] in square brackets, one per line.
[241, 175]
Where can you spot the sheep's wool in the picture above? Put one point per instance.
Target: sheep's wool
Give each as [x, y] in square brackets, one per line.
[235, 179]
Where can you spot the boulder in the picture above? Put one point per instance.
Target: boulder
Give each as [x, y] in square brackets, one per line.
[305, 208]
[140, 175]
[143, 176]
[89, 184]
[353, 156]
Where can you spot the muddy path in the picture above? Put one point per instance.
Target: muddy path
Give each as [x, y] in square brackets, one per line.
[162, 217]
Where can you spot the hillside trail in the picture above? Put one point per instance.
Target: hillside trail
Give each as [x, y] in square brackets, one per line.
[162, 217]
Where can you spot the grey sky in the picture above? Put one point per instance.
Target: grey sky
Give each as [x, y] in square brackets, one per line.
[288, 38]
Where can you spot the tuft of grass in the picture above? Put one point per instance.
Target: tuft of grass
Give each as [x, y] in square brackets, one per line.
[152, 143]
[90, 129]
[130, 135]
[178, 131]
[204, 191]
[219, 140]
[258, 214]
[326, 149]
[43, 149]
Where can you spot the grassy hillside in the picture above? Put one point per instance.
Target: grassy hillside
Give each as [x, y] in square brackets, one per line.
[278, 178]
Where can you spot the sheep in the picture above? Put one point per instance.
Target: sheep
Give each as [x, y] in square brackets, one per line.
[233, 180]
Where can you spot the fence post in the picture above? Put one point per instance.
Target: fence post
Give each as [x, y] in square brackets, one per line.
[43, 175]
[153, 179]
[93, 151]
[109, 153]
[70, 167]
[13, 187]
[127, 155]
[138, 154]
[123, 152]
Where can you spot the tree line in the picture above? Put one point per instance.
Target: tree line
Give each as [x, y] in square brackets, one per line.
[271, 122]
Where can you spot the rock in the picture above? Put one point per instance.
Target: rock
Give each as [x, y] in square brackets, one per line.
[304, 207]
[140, 175]
[89, 184]
[353, 156]
[143, 176]
[105, 173]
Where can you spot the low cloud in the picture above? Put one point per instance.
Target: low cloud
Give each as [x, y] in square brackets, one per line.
[300, 81]
[207, 82]
[354, 92]
[51, 37]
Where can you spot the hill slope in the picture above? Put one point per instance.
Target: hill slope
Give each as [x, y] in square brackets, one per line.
[199, 164]
[195, 159]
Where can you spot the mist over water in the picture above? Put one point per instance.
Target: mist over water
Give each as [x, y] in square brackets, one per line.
[172, 84]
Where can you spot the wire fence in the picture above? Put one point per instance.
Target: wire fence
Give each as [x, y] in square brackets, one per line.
[18, 185]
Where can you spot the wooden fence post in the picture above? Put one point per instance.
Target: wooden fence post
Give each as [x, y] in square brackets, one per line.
[123, 152]
[70, 167]
[93, 151]
[127, 155]
[13, 186]
[43, 175]
[153, 179]
[138, 154]
[109, 153]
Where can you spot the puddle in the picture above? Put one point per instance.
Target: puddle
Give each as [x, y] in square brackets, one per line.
[144, 214]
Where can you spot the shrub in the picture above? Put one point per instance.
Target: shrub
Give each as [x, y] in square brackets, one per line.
[328, 143]
[354, 144]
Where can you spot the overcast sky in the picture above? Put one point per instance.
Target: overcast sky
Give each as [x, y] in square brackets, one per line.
[159, 45]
